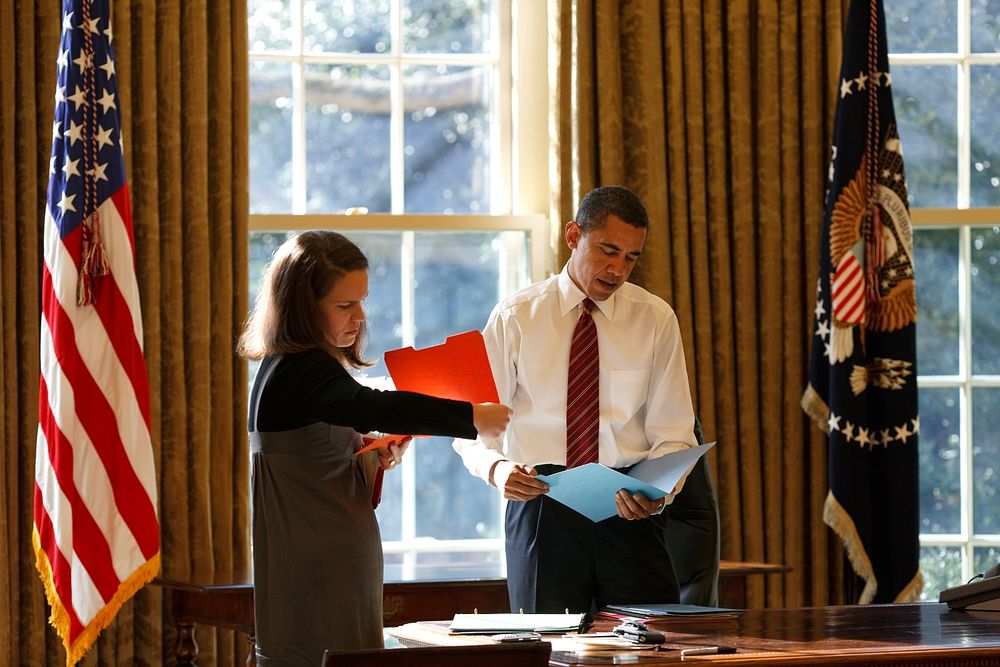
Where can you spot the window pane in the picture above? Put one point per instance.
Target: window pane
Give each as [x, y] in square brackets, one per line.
[986, 26]
[446, 26]
[983, 558]
[940, 490]
[389, 512]
[984, 98]
[924, 98]
[270, 137]
[354, 26]
[444, 484]
[447, 139]
[459, 279]
[270, 23]
[392, 565]
[921, 26]
[985, 283]
[347, 151]
[986, 461]
[383, 309]
[460, 276]
[459, 565]
[262, 247]
[942, 568]
[936, 259]
[445, 566]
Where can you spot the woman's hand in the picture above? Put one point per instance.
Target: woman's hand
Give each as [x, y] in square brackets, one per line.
[490, 419]
[391, 456]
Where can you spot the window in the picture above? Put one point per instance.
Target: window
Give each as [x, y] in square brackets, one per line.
[406, 111]
[945, 64]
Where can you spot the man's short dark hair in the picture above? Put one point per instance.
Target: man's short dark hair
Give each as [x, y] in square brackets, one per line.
[611, 200]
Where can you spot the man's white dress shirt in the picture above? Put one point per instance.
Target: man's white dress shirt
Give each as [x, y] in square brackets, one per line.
[646, 408]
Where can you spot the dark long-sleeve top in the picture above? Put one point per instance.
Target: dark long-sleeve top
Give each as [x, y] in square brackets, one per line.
[309, 387]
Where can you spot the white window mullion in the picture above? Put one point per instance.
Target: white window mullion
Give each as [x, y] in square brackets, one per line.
[397, 162]
[409, 517]
[501, 127]
[396, 122]
[965, 415]
[407, 276]
[963, 103]
[298, 113]
[407, 272]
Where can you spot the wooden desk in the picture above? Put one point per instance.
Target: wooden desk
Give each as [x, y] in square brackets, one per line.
[733, 580]
[229, 605]
[917, 635]
[221, 605]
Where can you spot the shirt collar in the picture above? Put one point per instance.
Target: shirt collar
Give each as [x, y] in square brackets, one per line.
[571, 296]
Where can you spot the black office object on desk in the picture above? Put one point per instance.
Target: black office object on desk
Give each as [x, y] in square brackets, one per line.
[981, 595]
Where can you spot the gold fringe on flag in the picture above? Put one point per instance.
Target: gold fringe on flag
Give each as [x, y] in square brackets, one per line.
[59, 619]
[814, 406]
[835, 516]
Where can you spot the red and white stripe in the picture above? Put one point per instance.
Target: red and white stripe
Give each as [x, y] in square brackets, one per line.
[848, 290]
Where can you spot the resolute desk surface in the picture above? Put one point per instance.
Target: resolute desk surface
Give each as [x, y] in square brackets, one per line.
[925, 635]
[228, 602]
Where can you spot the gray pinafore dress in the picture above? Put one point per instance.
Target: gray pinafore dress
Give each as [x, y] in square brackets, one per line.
[317, 551]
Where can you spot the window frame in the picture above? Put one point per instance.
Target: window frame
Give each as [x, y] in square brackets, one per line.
[965, 381]
[519, 199]
[964, 219]
[520, 54]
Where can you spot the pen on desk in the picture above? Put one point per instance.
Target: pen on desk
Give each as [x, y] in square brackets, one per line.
[707, 650]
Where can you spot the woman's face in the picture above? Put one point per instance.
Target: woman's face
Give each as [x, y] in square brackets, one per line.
[341, 312]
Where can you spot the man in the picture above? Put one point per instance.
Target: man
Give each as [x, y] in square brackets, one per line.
[593, 369]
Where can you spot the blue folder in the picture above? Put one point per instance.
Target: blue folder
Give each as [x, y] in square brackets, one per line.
[590, 489]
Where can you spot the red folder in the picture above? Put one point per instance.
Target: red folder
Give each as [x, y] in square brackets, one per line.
[458, 369]
[384, 442]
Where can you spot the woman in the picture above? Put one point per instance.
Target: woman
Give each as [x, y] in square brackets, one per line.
[317, 552]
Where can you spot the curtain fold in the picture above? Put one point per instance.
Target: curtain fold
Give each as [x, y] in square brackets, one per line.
[182, 75]
[719, 115]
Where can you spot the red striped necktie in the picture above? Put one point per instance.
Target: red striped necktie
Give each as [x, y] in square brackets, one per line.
[583, 400]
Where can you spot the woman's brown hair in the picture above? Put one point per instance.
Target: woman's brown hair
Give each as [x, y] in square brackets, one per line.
[285, 317]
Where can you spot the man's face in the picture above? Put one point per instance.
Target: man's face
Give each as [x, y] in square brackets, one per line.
[603, 258]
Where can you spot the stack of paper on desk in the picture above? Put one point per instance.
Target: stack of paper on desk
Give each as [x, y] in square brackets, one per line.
[480, 624]
[590, 489]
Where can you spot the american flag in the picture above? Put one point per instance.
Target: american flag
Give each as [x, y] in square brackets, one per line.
[96, 533]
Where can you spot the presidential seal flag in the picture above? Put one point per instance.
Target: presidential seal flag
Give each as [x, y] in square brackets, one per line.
[96, 534]
[862, 378]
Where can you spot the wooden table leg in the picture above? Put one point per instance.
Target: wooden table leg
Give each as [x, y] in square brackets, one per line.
[186, 648]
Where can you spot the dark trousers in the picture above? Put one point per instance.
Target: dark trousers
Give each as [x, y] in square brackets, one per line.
[558, 559]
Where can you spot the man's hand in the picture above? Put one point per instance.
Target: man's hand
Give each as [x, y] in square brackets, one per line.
[633, 506]
[517, 481]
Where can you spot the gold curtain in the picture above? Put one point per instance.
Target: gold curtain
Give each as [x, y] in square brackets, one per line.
[719, 115]
[182, 75]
